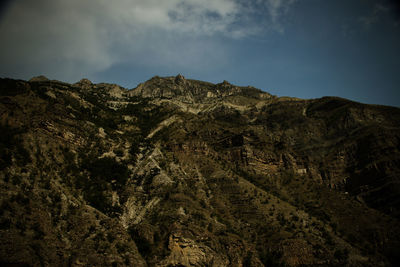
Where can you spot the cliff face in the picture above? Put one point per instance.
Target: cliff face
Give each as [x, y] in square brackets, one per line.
[192, 91]
[178, 172]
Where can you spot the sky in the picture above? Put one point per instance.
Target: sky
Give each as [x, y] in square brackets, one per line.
[299, 48]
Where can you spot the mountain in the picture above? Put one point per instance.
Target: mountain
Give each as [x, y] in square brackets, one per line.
[179, 172]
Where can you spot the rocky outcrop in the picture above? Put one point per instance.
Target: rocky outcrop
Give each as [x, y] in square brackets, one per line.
[179, 172]
[40, 78]
[191, 91]
[185, 252]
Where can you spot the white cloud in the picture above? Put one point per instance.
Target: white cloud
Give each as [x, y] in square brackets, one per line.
[73, 38]
[376, 14]
[276, 9]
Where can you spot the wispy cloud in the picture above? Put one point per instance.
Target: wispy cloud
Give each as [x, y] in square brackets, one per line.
[387, 11]
[377, 12]
[277, 8]
[72, 38]
[276, 11]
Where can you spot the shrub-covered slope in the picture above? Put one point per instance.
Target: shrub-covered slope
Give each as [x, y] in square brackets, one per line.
[179, 172]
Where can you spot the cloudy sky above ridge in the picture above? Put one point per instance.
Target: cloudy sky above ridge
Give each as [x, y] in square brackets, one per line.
[302, 48]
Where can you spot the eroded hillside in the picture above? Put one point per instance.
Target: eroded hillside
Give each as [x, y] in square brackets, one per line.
[178, 172]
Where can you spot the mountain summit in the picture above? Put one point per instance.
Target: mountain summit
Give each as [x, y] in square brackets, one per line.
[179, 172]
[192, 91]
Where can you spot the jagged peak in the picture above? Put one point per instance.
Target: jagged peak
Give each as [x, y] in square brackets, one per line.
[180, 79]
[156, 77]
[40, 78]
[225, 82]
[226, 85]
[178, 87]
[85, 81]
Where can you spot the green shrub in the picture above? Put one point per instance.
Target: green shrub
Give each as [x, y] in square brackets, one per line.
[142, 244]
[106, 169]
[341, 255]
[104, 174]
[11, 144]
[5, 223]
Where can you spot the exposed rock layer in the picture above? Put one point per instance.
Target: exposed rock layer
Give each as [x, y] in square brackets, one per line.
[178, 172]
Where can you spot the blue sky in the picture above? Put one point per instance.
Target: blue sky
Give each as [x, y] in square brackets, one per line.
[300, 48]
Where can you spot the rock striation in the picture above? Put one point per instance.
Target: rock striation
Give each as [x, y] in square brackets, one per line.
[180, 172]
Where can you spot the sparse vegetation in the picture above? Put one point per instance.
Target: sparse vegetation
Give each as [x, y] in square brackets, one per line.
[234, 178]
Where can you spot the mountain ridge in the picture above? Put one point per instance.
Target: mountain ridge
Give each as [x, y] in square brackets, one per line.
[167, 174]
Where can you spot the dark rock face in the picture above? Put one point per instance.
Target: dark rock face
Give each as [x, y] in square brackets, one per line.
[178, 172]
[40, 78]
[179, 79]
[192, 91]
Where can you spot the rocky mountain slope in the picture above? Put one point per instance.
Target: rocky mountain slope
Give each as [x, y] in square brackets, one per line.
[178, 172]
